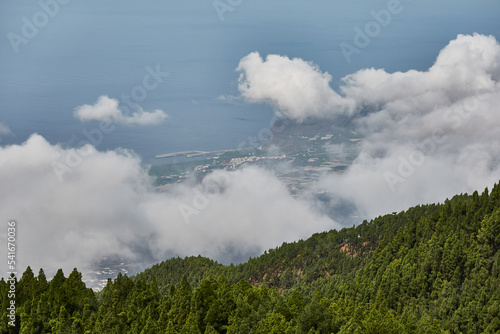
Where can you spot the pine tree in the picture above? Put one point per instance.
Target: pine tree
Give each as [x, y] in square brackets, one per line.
[151, 327]
[296, 303]
[273, 323]
[171, 328]
[203, 297]
[210, 330]
[63, 323]
[42, 283]
[27, 288]
[181, 304]
[191, 326]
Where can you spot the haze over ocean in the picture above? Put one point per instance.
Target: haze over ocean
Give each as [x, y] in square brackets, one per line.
[93, 48]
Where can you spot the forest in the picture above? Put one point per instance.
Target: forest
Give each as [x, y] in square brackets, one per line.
[430, 269]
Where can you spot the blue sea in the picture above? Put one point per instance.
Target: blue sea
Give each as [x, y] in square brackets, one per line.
[85, 49]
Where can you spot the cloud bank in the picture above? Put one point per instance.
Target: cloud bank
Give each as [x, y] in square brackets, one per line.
[430, 135]
[423, 156]
[108, 206]
[299, 90]
[427, 134]
[107, 110]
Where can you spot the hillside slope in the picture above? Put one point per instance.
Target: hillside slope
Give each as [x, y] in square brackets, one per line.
[431, 269]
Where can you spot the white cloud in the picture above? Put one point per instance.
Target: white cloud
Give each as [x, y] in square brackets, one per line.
[299, 90]
[446, 116]
[142, 117]
[4, 130]
[107, 206]
[107, 110]
[296, 88]
[430, 135]
[466, 66]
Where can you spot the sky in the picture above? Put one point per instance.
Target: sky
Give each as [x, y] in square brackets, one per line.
[91, 91]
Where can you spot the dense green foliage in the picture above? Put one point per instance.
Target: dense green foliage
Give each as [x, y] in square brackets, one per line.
[431, 269]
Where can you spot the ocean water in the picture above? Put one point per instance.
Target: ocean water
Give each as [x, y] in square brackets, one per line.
[91, 48]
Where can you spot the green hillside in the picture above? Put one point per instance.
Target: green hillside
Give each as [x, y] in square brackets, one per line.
[431, 269]
[291, 265]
